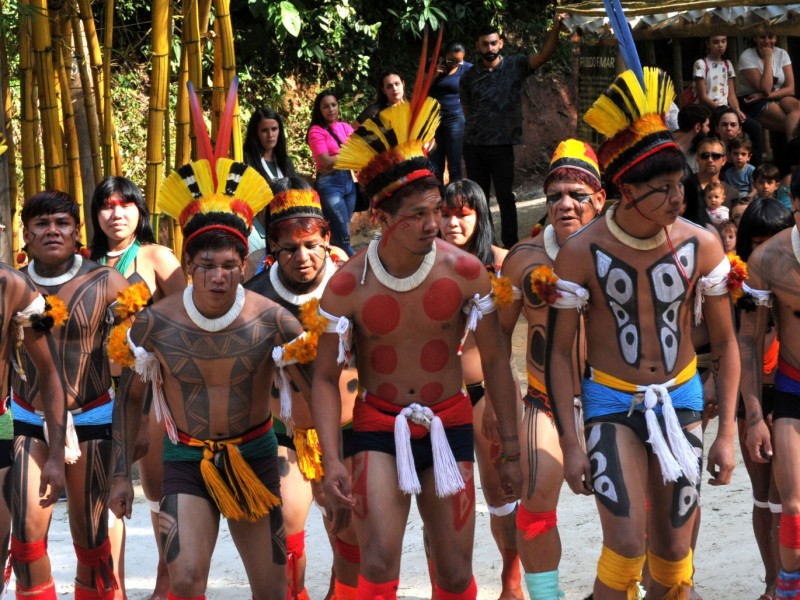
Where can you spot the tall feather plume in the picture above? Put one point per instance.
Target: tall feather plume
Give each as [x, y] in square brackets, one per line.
[224, 135]
[204, 150]
[421, 87]
[624, 38]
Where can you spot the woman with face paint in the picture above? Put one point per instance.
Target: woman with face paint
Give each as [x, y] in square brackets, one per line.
[124, 239]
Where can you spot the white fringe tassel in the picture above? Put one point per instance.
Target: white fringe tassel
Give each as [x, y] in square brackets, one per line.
[683, 451]
[670, 469]
[72, 448]
[282, 383]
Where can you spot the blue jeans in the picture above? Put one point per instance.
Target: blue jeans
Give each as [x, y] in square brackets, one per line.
[449, 139]
[337, 192]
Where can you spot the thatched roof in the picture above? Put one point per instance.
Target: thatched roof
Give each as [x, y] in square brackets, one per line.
[682, 18]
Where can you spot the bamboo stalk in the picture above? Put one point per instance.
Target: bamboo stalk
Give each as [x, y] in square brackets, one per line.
[222, 11]
[217, 86]
[53, 139]
[86, 16]
[193, 69]
[70, 131]
[31, 167]
[11, 153]
[159, 76]
[58, 64]
[108, 127]
[88, 99]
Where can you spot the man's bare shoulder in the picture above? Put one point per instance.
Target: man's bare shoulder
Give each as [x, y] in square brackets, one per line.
[772, 260]
[160, 256]
[523, 256]
[465, 267]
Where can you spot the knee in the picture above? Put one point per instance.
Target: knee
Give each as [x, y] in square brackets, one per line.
[377, 563]
[188, 581]
[531, 524]
[625, 543]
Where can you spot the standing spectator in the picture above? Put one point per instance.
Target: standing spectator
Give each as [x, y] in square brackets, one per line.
[265, 151]
[336, 188]
[715, 86]
[693, 126]
[766, 92]
[491, 98]
[450, 135]
[391, 91]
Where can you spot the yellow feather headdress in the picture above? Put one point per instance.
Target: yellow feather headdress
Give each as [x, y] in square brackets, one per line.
[214, 192]
[632, 119]
[388, 151]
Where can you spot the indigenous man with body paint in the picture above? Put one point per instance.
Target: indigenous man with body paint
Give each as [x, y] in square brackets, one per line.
[408, 302]
[209, 355]
[774, 281]
[301, 264]
[574, 198]
[51, 222]
[644, 276]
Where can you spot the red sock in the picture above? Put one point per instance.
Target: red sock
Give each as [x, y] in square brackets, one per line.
[171, 596]
[471, 593]
[45, 591]
[376, 591]
[343, 591]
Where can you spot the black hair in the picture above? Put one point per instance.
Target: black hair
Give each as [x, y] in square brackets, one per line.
[215, 238]
[713, 139]
[691, 115]
[381, 98]
[393, 203]
[454, 48]
[50, 202]
[488, 30]
[794, 186]
[130, 192]
[763, 218]
[666, 160]
[468, 193]
[252, 146]
[718, 114]
[767, 171]
[316, 112]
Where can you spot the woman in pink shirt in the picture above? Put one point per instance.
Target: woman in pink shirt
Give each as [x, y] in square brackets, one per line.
[336, 188]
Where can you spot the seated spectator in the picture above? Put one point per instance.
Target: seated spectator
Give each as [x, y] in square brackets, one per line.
[714, 194]
[710, 158]
[727, 231]
[740, 174]
[766, 180]
[693, 126]
[738, 206]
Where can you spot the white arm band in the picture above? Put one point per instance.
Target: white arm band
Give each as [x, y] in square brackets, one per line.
[342, 327]
[713, 284]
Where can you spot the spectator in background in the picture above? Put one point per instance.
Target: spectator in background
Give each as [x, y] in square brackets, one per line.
[738, 207]
[728, 232]
[710, 158]
[265, 151]
[766, 180]
[725, 124]
[766, 91]
[740, 174]
[693, 127]
[450, 135]
[714, 195]
[391, 91]
[714, 83]
[336, 188]
[491, 98]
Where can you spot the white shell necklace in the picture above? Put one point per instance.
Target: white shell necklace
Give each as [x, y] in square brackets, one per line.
[116, 253]
[551, 246]
[77, 262]
[219, 323]
[300, 299]
[390, 281]
[626, 238]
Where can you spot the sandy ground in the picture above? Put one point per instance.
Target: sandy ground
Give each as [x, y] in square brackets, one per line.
[727, 561]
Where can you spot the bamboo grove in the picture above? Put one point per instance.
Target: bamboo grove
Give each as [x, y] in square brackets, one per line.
[60, 50]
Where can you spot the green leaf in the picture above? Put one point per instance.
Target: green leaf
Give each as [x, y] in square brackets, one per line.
[290, 18]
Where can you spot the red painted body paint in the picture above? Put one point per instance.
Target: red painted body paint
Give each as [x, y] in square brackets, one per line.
[468, 267]
[360, 468]
[383, 359]
[381, 314]
[431, 392]
[464, 501]
[434, 356]
[387, 391]
[342, 284]
[442, 299]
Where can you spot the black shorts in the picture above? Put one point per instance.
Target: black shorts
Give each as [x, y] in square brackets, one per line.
[184, 477]
[786, 406]
[476, 392]
[459, 438]
[6, 453]
[85, 433]
[638, 423]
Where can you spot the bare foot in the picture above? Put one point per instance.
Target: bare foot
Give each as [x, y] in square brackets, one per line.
[693, 595]
[162, 582]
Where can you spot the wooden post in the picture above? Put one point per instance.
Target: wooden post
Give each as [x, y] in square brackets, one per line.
[677, 66]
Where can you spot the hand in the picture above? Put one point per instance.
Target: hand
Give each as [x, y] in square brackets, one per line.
[578, 471]
[558, 22]
[339, 502]
[759, 442]
[51, 483]
[766, 53]
[753, 98]
[121, 499]
[489, 426]
[142, 443]
[721, 461]
[742, 116]
[510, 480]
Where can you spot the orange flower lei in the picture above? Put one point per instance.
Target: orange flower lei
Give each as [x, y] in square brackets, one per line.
[501, 290]
[118, 349]
[55, 308]
[736, 276]
[303, 349]
[132, 299]
[543, 284]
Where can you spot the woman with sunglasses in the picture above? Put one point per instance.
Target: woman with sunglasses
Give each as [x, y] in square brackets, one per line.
[450, 134]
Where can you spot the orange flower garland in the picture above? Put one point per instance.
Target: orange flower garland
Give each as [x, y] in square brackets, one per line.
[543, 284]
[736, 276]
[132, 299]
[56, 309]
[502, 291]
[303, 349]
[118, 349]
